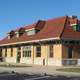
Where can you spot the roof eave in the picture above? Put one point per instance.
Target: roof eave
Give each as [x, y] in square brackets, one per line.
[48, 39]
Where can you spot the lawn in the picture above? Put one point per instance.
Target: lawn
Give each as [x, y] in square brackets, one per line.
[69, 70]
[14, 65]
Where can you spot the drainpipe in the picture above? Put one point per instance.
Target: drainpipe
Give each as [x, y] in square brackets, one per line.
[33, 54]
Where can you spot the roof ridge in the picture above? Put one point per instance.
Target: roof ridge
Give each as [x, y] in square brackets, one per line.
[66, 18]
[56, 18]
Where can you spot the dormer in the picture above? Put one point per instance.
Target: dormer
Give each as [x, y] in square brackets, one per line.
[20, 32]
[73, 20]
[31, 31]
[11, 34]
[34, 30]
[74, 23]
[40, 24]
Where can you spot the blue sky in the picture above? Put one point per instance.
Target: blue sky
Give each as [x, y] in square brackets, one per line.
[17, 13]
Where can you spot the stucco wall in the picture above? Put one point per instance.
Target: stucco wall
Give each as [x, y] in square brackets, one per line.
[39, 60]
[26, 60]
[64, 52]
[76, 53]
[9, 59]
[3, 52]
[57, 54]
[44, 59]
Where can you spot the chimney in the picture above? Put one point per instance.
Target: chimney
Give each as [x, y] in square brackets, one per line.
[73, 17]
[73, 20]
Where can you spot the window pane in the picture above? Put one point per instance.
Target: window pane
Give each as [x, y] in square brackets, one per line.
[11, 52]
[31, 32]
[70, 52]
[38, 51]
[51, 51]
[5, 52]
[27, 51]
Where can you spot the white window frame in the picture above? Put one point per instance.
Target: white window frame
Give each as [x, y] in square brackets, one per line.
[26, 51]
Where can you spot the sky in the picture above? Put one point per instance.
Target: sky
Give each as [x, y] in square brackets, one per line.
[18, 13]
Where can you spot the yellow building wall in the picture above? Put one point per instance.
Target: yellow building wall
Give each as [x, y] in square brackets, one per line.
[33, 51]
[3, 52]
[8, 52]
[57, 55]
[60, 51]
[14, 52]
[76, 53]
[57, 51]
[44, 49]
[64, 51]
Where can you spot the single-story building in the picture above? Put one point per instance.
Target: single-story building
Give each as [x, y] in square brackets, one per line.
[45, 42]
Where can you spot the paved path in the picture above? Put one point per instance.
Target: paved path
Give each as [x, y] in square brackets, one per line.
[35, 69]
[38, 70]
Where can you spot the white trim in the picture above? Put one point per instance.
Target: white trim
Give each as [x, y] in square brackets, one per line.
[10, 59]
[16, 32]
[30, 41]
[29, 29]
[70, 39]
[25, 30]
[73, 24]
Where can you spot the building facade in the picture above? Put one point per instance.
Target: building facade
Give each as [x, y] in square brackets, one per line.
[52, 42]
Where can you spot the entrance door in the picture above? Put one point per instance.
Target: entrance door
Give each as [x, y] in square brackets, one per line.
[70, 56]
[70, 52]
[1, 59]
[18, 54]
[18, 57]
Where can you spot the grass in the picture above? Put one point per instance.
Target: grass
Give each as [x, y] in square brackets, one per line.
[69, 70]
[13, 65]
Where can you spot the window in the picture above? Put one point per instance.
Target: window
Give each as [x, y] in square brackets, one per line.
[11, 52]
[76, 27]
[21, 31]
[31, 32]
[70, 52]
[11, 34]
[19, 49]
[17, 34]
[0, 52]
[51, 51]
[27, 51]
[38, 51]
[5, 52]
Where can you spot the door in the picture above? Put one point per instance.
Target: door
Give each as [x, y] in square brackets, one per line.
[18, 54]
[18, 57]
[1, 59]
[70, 54]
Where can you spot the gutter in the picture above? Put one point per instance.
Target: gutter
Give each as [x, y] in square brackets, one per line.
[56, 38]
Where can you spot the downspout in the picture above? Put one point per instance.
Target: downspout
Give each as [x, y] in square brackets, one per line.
[33, 54]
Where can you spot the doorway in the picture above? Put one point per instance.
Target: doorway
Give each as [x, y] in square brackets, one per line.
[70, 54]
[18, 54]
[1, 58]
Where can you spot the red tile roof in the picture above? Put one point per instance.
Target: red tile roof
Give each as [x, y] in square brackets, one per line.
[58, 27]
[69, 33]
